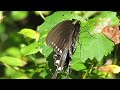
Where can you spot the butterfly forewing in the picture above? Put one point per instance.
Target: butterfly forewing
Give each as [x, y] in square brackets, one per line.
[75, 36]
[60, 35]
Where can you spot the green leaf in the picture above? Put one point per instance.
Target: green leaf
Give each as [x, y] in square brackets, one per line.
[44, 74]
[77, 65]
[19, 15]
[9, 71]
[30, 49]
[96, 24]
[30, 33]
[12, 61]
[97, 47]
[89, 14]
[93, 43]
[13, 51]
[15, 74]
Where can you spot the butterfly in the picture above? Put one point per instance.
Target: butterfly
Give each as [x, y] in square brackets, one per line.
[63, 39]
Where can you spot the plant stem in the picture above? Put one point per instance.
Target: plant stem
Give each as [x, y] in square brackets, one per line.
[42, 15]
[33, 59]
[88, 72]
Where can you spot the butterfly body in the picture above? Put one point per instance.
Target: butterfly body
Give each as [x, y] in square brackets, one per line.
[63, 39]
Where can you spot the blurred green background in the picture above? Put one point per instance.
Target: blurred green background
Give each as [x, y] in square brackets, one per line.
[11, 22]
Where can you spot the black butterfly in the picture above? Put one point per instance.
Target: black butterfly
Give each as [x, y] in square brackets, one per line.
[63, 39]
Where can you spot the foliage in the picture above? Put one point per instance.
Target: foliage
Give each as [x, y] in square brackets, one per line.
[25, 54]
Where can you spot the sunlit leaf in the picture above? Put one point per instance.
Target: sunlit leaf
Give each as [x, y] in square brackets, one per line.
[30, 49]
[12, 61]
[44, 74]
[13, 51]
[77, 65]
[93, 44]
[110, 69]
[97, 47]
[19, 15]
[30, 33]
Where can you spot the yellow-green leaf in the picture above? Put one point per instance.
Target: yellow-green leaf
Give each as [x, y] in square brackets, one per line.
[30, 33]
[30, 49]
[12, 61]
[110, 69]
